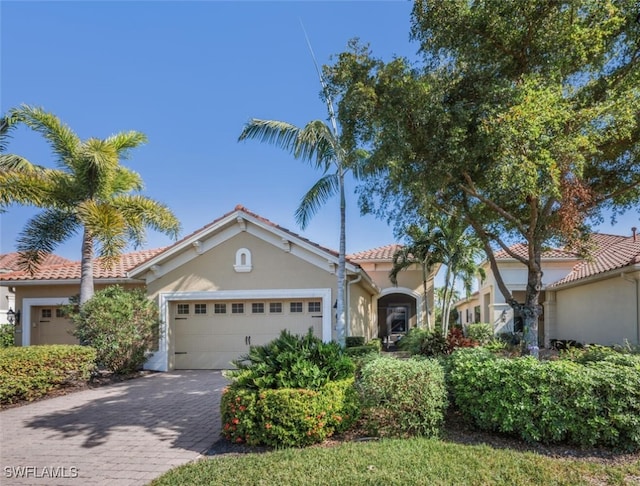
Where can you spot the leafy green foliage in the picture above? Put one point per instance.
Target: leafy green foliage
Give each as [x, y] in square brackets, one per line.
[288, 417]
[591, 404]
[403, 397]
[425, 342]
[480, 332]
[353, 341]
[292, 361]
[30, 372]
[122, 325]
[357, 351]
[7, 335]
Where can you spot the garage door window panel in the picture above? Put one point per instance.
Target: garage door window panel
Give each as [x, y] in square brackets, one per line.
[275, 307]
[219, 308]
[257, 308]
[295, 307]
[182, 309]
[237, 308]
[200, 309]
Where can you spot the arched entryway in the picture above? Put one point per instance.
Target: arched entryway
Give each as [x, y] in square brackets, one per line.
[398, 311]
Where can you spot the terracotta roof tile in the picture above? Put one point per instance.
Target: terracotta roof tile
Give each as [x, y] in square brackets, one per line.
[609, 252]
[71, 270]
[380, 253]
[521, 249]
[9, 261]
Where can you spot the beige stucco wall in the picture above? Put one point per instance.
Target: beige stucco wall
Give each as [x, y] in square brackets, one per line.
[602, 312]
[360, 312]
[49, 291]
[273, 268]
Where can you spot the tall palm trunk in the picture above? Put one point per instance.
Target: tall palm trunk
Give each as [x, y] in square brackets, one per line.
[425, 295]
[86, 268]
[340, 306]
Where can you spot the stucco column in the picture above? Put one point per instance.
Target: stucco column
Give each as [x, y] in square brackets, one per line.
[550, 316]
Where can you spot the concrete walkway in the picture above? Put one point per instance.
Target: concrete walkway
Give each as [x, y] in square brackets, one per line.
[123, 434]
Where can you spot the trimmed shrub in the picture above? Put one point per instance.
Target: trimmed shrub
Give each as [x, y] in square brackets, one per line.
[354, 341]
[122, 325]
[591, 404]
[30, 372]
[7, 338]
[288, 417]
[403, 397]
[481, 332]
[358, 351]
[292, 361]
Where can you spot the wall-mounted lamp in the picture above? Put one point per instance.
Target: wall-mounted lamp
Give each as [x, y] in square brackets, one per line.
[13, 317]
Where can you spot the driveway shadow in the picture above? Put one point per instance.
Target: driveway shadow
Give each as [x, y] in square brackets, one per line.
[180, 408]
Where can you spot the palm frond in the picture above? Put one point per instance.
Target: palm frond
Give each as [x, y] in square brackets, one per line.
[278, 133]
[312, 201]
[42, 234]
[140, 212]
[63, 141]
[124, 141]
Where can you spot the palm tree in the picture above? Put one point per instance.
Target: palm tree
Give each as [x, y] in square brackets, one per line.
[461, 250]
[320, 145]
[89, 192]
[424, 250]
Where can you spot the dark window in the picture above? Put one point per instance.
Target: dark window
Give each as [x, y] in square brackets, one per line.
[219, 308]
[295, 307]
[314, 307]
[275, 307]
[257, 308]
[237, 308]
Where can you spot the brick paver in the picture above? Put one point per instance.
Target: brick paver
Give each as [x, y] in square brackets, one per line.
[123, 434]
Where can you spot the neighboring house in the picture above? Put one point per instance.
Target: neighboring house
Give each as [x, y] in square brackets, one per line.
[8, 264]
[236, 282]
[588, 300]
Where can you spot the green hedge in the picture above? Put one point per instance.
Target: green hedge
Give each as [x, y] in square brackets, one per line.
[30, 372]
[354, 341]
[591, 404]
[403, 397]
[288, 417]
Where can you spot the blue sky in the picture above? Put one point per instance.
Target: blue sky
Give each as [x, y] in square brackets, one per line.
[189, 75]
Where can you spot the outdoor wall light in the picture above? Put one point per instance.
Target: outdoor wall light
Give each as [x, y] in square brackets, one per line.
[13, 317]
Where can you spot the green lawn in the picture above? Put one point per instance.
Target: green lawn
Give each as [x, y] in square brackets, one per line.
[406, 462]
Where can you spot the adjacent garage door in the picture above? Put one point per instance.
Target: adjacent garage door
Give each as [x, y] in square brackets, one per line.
[211, 334]
[50, 326]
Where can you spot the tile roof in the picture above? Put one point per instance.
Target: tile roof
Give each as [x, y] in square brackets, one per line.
[521, 249]
[71, 270]
[376, 254]
[9, 261]
[608, 252]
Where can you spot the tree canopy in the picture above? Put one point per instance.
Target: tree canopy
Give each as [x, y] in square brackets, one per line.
[522, 117]
[89, 191]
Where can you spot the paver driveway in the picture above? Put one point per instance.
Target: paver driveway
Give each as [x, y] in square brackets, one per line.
[128, 433]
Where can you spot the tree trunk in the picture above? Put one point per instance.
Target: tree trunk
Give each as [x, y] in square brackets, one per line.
[425, 273]
[445, 297]
[531, 309]
[86, 268]
[340, 306]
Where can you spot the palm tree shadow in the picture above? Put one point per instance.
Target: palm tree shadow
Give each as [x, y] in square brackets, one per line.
[178, 407]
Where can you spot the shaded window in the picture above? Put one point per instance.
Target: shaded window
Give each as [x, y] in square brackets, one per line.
[237, 308]
[200, 309]
[295, 307]
[183, 309]
[219, 308]
[314, 307]
[257, 308]
[275, 307]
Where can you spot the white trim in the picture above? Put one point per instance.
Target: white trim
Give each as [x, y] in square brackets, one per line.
[159, 361]
[245, 267]
[420, 318]
[27, 304]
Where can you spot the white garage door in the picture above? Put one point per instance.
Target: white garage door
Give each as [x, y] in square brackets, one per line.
[211, 334]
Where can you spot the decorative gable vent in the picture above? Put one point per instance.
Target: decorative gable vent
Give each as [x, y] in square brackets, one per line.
[243, 261]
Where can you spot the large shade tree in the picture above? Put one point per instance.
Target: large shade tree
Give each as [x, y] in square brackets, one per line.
[523, 117]
[89, 192]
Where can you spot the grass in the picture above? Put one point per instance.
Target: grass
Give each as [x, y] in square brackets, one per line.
[398, 462]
